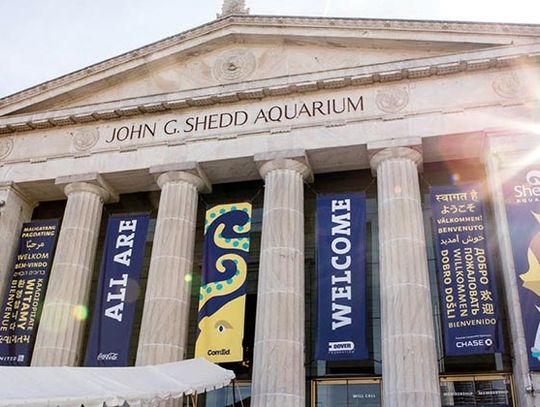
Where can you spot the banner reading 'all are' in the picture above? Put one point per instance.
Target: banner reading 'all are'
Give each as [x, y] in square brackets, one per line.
[118, 288]
[467, 288]
[25, 292]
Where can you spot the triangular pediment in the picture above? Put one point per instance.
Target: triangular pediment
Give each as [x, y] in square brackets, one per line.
[251, 49]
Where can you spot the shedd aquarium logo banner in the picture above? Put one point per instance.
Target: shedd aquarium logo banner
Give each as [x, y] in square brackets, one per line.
[522, 196]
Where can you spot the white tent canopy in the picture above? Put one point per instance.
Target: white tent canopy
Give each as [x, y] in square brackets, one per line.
[138, 386]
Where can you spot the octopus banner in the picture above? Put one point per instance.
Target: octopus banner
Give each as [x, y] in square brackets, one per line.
[341, 277]
[117, 292]
[469, 305]
[25, 292]
[222, 295]
[522, 197]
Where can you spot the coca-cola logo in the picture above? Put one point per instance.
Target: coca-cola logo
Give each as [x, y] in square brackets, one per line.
[107, 356]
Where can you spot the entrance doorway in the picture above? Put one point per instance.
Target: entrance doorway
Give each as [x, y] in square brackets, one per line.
[456, 391]
[346, 393]
[477, 391]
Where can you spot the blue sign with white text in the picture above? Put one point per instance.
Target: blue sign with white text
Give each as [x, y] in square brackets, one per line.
[341, 277]
[25, 292]
[468, 293]
[118, 288]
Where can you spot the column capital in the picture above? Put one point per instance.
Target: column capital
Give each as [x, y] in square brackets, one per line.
[86, 187]
[510, 148]
[295, 160]
[395, 152]
[13, 187]
[504, 141]
[90, 182]
[189, 172]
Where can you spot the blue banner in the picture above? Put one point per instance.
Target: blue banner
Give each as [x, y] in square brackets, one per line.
[117, 292]
[522, 197]
[25, 291]
[468, 293]
[341, 277]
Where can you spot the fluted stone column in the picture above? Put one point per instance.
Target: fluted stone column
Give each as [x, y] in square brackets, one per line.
[520, 362]
[164, 327]
[59, 336]
[278, 365]
[409, 358]
[15, 209]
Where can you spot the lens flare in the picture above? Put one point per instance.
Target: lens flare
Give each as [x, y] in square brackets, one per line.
[455, 178]
[80, 312]
[188, 277]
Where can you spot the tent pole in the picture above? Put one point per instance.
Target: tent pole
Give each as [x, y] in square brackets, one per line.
[240, 395]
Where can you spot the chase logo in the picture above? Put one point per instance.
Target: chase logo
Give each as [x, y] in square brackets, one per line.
[474, 343]
[341, 347]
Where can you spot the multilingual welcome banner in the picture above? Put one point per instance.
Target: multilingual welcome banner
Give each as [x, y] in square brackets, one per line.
[222, 296]
[117, 292]
[341, 277]
[25, 292]
[522, 197]
[467, 287]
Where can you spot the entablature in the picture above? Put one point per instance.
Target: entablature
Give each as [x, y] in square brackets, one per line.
[513, 57]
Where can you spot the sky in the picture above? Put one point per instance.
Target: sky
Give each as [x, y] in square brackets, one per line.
[43, 39]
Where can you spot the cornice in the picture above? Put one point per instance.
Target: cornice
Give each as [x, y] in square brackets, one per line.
[362, 76]
[388, 24]
[283, 21]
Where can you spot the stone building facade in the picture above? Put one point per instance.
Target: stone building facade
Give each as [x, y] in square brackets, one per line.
[300, 106]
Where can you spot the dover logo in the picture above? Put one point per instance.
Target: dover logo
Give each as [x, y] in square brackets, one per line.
[341, 347]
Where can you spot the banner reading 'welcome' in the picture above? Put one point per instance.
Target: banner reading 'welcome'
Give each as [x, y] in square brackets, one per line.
[341, 277]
